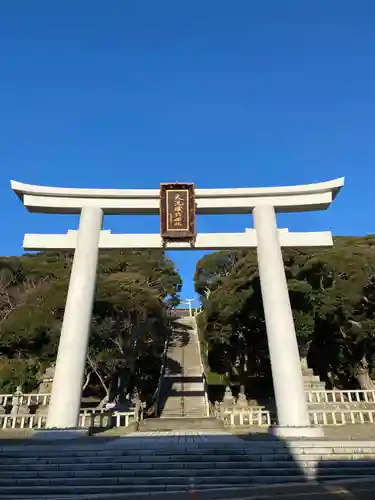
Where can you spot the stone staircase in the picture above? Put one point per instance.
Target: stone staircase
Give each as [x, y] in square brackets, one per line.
[168, 463]
[311, 381]
[182, 391]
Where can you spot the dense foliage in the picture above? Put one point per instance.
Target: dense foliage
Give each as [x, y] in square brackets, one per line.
[135, 291]
[332, 294]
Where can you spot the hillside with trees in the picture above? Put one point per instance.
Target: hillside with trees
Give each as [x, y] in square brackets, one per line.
[332, 293]
[131, 319]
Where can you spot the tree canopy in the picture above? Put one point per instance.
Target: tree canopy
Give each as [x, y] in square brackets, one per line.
[135, 292]
[332, 293]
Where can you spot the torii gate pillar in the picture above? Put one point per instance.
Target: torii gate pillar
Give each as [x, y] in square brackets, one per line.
[65, 403]
[292, 412]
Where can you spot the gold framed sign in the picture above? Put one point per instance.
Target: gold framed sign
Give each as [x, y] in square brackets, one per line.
[177, 211]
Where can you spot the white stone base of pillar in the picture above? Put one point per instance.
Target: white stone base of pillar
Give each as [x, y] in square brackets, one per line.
[296, 432]
[54, 434]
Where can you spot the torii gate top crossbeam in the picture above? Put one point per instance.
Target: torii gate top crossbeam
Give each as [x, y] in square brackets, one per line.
[300, 198]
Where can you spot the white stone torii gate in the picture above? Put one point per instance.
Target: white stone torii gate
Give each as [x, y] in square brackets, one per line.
[263, 203]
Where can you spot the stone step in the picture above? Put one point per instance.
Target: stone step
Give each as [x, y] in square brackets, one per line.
[270, 470]
[312, 378]
[191, 400]
[223, 479]
[178, 468]
[181, 423]
[182, 461]
[138, 444]
[165, 441]
[181, 484]
[186, 451]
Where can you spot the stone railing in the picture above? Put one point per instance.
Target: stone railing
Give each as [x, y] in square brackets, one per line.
[313, 397]
[262, 418]
[123, 418]
[341, 417]
[24, 399]
[336, 397]
[332, 400]
[248, 418]
[94, 418]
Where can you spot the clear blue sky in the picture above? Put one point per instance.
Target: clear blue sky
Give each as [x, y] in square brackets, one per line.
[131, 93]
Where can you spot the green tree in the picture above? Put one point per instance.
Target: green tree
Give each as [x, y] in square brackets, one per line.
[332, 294]
[211, 270]
[135, 293]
